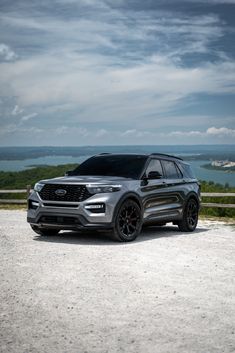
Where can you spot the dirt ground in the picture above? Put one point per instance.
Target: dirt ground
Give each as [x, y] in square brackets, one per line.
[167, 292]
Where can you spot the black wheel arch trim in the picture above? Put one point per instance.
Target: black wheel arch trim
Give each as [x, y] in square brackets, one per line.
[193, 195]
[128, 196]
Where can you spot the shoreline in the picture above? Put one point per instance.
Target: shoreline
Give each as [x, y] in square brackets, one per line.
[227, 170]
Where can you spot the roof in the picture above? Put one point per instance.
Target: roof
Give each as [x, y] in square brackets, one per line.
[141, 154]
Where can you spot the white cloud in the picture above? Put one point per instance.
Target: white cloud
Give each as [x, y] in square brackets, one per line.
[129, 132]
[65, 135]
[73, 131]
[61, 130]
[184, 133]
[17, 110]
[74, 69]
[114, 65]
[211, 135]
[222, 131]
[28, 117]
[210, 132]
[14, 129]
[6, 53]
[215, 1]
[106, 93]
[101, 133]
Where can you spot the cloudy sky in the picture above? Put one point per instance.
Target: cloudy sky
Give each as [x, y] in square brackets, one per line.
[87, 72]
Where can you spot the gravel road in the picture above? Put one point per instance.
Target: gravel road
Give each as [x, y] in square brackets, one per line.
[166, 292]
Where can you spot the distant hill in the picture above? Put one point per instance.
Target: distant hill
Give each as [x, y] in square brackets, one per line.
[199, 152]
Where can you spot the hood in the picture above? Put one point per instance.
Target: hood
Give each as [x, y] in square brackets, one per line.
[84, 179]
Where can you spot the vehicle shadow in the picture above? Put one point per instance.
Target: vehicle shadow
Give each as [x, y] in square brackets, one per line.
[105, 238]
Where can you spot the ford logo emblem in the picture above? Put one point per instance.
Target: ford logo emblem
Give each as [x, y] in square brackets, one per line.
[60, 192]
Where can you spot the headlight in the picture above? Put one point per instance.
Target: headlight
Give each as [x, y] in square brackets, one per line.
[38, 187]
[97, 189]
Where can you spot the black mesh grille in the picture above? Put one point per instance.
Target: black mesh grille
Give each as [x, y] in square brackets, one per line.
[59, 220]
[73, 193]
[64, 205]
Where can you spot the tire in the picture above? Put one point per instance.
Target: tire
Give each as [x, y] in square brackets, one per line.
[190, 216]
[45, 231]
[128, 221]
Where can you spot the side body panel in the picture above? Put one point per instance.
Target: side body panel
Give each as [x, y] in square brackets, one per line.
[164, 199]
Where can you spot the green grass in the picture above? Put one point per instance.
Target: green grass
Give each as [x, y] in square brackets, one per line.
[13, 207]
[218, 212]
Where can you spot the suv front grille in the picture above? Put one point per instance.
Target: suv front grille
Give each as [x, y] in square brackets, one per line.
[74, 193]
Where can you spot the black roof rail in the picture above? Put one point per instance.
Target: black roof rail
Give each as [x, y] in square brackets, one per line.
[100, 154]
[166, 155]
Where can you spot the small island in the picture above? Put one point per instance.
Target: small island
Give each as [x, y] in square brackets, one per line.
[223, 165]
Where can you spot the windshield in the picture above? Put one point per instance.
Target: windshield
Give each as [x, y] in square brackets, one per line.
[127, 166]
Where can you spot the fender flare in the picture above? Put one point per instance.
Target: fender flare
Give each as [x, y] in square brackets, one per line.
[129, 195]
[194, 196]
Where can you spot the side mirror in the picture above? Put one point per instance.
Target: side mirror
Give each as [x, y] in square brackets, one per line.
[154, 175]
[69, 173]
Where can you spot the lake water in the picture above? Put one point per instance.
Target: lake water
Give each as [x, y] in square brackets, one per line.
[217, 176]
[17, 165]
[201, 173]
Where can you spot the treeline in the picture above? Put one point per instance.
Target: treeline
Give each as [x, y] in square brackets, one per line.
[19, 180]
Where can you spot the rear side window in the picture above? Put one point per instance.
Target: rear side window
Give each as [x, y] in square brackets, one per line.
[154, 166]
[187, 170]
[171, 170]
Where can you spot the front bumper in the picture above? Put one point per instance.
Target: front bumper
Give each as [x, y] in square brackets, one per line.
[65, 222]
[72, 215]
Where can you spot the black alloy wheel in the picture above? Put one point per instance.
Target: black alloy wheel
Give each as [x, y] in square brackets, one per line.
[128, 221]
[190, 216]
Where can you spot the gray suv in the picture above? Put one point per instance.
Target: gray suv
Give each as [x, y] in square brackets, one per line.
[118, 193]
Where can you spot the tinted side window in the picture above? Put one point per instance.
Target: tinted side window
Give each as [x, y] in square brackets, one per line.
[170, 170]
[154, 166]
[187, 171]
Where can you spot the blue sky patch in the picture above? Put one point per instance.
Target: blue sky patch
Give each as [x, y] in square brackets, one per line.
[117, 72]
